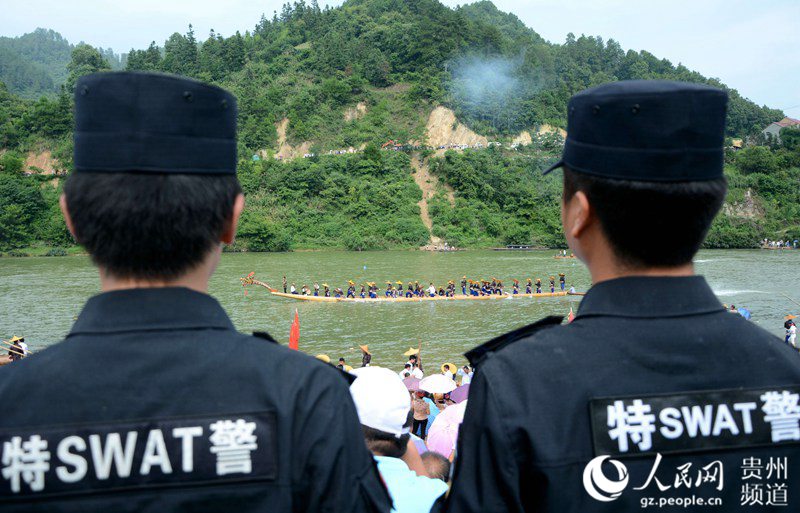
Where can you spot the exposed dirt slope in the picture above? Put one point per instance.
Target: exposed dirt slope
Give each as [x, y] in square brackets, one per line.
[429, 185]
[356, 112]
[443, 129]
[523, 139]
[42, 163]
[285, 150]
[544, 129]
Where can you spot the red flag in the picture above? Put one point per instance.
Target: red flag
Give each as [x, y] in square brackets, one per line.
[571, 316]
[294, 332]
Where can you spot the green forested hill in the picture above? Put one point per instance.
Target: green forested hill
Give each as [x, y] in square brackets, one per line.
[35, 64]
[312, 80]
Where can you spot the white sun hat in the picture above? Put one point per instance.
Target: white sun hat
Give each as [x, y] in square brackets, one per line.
[381, 399]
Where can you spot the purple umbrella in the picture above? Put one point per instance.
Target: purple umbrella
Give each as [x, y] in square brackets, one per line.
[459, 394]
[411, 384]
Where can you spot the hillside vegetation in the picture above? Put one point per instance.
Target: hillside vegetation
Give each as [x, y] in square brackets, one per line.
[318, 81]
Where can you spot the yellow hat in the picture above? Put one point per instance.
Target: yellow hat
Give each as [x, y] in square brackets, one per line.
[464, 277]
[561, 274]
[348, 368]
[16, 339]
[325, 358]
[365, 349]
[789, 317]
[325, 285]
[455, 369]
[351, 282]
[399, 282]
[411, 351]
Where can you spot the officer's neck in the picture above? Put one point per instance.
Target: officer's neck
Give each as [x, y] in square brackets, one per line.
[604, 265]
[195, 279]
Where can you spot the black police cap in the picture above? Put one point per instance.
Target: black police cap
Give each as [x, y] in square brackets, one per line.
[646, 130]
[153, 123]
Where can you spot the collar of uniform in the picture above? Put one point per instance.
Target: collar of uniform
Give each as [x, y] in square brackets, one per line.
[150, 309]
[648, 296]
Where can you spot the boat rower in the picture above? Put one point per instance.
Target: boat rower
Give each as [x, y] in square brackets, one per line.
[363, 292]
[351, 289]
[327, 290]
[515, 287]
[389, 289]
[528, 286]
[552, 284]
[316, 289]
[293, 289]
[410, 290]
[499, 288]
[18, 348]
[399, 289]
[538, 286]
[373, 290]
[431, 290]
[562, 280]
[464, 285]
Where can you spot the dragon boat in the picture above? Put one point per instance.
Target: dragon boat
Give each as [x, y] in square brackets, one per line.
[251, 280]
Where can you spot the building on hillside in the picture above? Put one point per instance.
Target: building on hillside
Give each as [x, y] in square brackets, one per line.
[774, 129]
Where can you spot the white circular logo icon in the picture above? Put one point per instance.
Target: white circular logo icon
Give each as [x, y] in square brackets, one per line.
[598, 486]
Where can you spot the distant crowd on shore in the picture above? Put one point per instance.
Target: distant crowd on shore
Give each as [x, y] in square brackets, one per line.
[779, 244]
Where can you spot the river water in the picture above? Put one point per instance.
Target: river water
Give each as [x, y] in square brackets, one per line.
[39, 297]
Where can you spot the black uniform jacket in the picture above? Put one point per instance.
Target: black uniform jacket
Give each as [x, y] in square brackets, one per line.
[654, 375]
[154, 403]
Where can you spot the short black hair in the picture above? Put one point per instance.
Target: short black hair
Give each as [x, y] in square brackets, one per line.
[149, 226]
[438, 466]
[385, 444]
[651, 223]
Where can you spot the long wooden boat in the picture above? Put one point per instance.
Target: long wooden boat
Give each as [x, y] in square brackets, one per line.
[457, 297]
[249, 280]
[562, 257]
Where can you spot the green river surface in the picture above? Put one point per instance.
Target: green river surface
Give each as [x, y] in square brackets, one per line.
[40, 296]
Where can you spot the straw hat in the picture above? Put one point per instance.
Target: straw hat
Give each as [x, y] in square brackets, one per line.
[411, 351]
[399, 282]
[789, 317]
[365, 349]
[452, 366]
[348, 368]
[325, 285]
[325, 358]
[16, 339]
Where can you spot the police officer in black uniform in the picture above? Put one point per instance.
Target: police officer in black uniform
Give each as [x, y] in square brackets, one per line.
[654, 395]
[154, 402]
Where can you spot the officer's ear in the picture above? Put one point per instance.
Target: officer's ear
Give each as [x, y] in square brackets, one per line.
[577, 215]
[229, 231]
[62, 202]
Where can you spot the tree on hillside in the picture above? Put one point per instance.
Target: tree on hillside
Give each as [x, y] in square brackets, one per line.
[86, 59]
[145, 60]
[180, 54]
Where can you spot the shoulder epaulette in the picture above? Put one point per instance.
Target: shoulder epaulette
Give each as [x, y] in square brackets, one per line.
[476, 355]
[266, 336]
